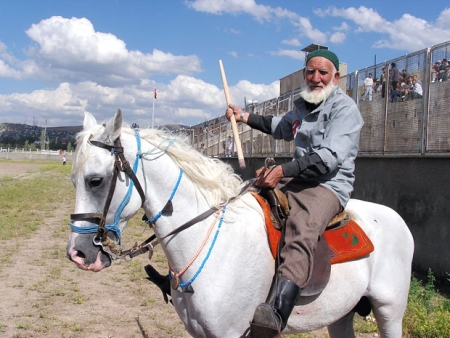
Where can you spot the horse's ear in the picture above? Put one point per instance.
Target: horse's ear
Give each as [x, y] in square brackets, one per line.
[89, 120]
[114, 127]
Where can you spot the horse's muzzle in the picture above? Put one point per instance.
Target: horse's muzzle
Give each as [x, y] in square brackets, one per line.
[82, 251]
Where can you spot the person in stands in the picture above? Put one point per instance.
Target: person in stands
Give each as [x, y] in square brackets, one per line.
[368, 87]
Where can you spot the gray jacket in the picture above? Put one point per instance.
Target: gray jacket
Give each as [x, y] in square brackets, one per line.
[331, 131]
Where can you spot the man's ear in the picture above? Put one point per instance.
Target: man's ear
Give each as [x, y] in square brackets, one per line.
[337, 76]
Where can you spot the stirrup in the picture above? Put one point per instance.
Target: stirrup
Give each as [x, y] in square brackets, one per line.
[266, 322]
[258, 331]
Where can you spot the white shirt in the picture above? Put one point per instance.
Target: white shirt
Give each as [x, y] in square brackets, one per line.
[418, 89]
[368, 82]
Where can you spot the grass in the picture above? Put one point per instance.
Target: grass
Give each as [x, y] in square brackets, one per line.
[428, 312]
[24, 203]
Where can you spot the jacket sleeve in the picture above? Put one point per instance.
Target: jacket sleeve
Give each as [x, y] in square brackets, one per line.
[261, 123]
[306, 167]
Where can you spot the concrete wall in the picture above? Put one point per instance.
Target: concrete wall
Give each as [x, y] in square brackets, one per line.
[32, 156]
[418, 188]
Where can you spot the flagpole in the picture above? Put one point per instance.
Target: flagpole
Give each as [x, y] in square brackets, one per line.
[153, 111]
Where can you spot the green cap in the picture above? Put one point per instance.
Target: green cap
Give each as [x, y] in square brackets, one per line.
[326, 54]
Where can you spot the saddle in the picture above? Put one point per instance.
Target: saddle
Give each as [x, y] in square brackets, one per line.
[343, 239]
[279, 206]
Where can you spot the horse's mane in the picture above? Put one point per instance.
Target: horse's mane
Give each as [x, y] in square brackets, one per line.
[215, 179]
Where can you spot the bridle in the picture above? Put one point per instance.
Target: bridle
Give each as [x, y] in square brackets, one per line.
[97, 220]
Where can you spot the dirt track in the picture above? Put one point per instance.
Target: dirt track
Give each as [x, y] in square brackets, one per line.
[14, 169]
[43, 294]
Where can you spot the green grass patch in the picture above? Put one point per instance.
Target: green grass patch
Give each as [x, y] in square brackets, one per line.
[428, 312]
[26, 201]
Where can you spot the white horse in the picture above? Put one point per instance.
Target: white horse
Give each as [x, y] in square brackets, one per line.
[225, 258]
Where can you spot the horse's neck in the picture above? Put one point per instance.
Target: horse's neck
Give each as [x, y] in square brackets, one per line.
[163, 179]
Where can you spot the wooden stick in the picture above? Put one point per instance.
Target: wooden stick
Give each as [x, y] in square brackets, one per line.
[232, 119]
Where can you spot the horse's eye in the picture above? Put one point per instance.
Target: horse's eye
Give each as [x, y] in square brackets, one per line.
[95, 182]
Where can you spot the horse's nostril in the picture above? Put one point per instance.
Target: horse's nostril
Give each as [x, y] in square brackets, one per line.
[81, 254]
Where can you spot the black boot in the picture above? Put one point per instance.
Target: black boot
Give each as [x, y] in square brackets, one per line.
[287, 295]
[269, 320]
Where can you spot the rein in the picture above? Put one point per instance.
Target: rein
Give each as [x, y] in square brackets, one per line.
[151, 242]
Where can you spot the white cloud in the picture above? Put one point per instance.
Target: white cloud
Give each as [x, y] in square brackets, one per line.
[344, 27]
[8, 64]
[366, 18]
[71, 50]
[255, 92]
[337, 37]
[58, 104]
[7, 71]
[408, 33]
[291, 42]
[443, 21]
[292, 53]
[306, 28]
[260, 13]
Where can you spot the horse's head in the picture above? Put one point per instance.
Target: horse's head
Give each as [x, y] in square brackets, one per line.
[105, 195]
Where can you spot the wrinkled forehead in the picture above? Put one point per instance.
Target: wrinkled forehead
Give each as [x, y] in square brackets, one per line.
[319, 62]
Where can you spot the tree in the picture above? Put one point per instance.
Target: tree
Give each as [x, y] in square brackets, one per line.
[42, 139]
[70, 146]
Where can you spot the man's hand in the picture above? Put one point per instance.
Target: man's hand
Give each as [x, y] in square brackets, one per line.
[269, 177]
[233, 110]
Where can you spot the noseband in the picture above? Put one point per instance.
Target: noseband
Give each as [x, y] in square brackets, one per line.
[97, 220]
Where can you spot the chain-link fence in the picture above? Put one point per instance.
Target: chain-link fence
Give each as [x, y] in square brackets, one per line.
[397, 120]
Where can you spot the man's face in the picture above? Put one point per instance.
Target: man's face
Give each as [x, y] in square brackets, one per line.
[321, 77]
[319, 73]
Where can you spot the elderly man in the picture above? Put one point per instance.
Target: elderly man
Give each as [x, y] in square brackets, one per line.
[325, 125]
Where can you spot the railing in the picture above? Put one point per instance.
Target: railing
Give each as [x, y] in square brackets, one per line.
[409, 126]
[36, 151]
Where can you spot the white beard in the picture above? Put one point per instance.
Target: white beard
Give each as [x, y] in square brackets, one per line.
[317, 96]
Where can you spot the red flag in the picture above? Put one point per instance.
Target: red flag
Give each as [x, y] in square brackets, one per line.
[155, 94]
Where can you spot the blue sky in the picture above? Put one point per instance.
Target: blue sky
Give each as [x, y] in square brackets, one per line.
[60, 58]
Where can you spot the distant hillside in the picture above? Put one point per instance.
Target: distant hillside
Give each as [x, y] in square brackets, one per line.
[71, 130]
[68, 129]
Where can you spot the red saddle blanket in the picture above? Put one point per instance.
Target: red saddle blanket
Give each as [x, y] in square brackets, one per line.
[346, 243]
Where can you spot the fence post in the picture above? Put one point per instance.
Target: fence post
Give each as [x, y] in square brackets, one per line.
[425, 102]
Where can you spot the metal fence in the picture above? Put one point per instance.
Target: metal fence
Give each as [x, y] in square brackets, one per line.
[416, 126]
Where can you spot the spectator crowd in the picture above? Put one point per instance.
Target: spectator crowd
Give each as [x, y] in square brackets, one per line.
[403, 86]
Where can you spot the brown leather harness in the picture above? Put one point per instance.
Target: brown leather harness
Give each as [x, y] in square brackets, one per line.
[111, 247]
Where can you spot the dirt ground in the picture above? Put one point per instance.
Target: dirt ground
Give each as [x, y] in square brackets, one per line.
[14, 169]
[43, 294]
